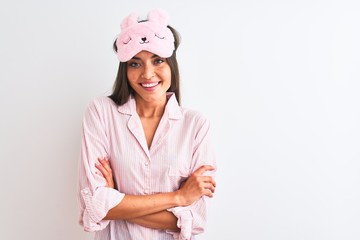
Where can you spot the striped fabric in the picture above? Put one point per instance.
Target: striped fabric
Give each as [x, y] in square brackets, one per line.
[181, 145]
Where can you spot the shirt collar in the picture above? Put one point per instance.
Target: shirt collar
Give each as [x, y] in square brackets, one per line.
[172, 108]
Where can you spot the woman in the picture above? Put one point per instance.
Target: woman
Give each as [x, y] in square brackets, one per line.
[160, 154]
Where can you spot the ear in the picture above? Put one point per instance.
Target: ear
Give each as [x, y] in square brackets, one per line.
[130, 20]
[159, 16]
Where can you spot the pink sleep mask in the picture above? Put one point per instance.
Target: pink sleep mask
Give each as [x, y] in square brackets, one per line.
[152, 35]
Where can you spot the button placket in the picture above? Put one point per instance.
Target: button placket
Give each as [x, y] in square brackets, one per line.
[147, 176]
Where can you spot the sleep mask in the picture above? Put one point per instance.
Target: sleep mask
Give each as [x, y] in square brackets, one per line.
[151, 35]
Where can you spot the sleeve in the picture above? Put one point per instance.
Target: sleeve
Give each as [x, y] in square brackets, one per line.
[94, 197]
[192, 219]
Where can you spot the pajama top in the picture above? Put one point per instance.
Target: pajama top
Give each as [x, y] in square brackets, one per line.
[181, 145]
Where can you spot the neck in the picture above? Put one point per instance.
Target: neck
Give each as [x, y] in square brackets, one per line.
[150, 109]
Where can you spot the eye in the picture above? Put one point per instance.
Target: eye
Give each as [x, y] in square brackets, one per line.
[133, 64]
[159, 61]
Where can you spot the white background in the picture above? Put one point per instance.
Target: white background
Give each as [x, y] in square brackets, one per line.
[278, 79]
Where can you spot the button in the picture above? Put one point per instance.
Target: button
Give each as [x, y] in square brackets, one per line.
[146, 163]
[85, 191]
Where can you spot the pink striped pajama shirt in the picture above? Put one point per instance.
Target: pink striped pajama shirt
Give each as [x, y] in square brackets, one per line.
[180, 145]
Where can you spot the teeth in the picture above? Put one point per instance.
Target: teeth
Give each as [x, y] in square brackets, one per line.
[148, 85]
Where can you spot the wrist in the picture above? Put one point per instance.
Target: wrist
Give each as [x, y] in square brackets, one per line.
[179, 199]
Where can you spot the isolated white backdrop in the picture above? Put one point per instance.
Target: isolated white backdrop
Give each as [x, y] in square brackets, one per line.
[278, 79]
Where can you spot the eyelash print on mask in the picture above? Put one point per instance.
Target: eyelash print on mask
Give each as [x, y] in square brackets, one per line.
[159, 36]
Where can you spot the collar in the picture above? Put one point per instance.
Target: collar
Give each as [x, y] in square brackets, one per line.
[172, 108]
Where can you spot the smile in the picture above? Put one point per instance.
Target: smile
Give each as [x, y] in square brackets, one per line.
[149, 85]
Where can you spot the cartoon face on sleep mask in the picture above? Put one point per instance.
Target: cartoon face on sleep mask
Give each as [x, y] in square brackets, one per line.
[151, 35]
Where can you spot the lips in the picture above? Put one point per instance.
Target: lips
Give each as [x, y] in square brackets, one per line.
[149, 85]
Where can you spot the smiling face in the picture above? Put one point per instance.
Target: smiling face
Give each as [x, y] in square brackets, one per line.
[149, 76]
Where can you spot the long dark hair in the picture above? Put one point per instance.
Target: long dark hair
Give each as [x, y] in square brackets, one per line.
[122, 89]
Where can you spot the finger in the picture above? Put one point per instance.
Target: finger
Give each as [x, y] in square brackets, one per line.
[212, 181]
[106, 164]
[101, 168]
[108, 177]
[208, 193]
[207, 179]
[203, 169]
[210, 187]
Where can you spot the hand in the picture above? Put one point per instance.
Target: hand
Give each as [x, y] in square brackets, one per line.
[197, 186]
[105, 170]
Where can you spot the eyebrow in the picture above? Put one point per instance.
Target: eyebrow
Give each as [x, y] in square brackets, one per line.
[137, 58]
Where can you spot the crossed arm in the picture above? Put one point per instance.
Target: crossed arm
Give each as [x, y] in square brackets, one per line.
[150, 210]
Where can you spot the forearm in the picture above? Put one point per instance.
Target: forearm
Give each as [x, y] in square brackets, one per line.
[132, 207]
[160, 220]
[137, 206]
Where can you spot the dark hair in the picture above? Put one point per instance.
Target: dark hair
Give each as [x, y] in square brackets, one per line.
[122, 89]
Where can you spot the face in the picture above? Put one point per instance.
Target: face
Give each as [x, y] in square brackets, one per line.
[150, 77]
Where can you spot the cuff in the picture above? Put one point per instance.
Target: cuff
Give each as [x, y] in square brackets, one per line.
[97, 205]
[185, 222]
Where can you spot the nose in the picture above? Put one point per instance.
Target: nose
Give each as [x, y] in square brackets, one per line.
[149, 71]
[143, 39]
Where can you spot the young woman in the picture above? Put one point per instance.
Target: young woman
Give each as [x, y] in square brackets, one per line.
[146, 168]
